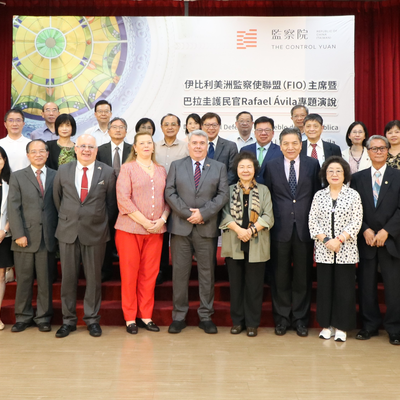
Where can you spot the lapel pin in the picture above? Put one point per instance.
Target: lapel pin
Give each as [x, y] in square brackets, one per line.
[207, 165]
[386, 182]
[99, 168]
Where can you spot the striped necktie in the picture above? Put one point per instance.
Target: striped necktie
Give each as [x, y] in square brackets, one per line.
[197, 174]
[376, 187]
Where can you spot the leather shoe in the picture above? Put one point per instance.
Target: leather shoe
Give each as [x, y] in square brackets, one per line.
[280, 330]
[44, 327]
[394, 338]
[236, 329]
[177, 326]
[364, 334]
[132, 329]
[151, 326]
[251, 332]
[65, 330]
[94, 330]
[302, 330]
[160, 278]
[208, 327]
[21, 326]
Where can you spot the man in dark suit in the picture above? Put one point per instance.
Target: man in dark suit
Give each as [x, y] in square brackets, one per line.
[379, 241]
[196, 190]
[33, 222]
[114, 154]
[314, 146]
[219, 149]
[264, 149]
[84, 194]
[293, 181]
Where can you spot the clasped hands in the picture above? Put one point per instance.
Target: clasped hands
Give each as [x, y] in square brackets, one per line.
[153, 226]
[22, 241]
[196, 217]
[377, 240]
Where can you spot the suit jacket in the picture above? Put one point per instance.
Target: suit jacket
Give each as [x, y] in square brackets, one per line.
[104, 153]
[210, 196]
[330, 149]
[386, 214]
[54, 153]
[225, 152]
[87, 221]
[29, 213]
[287, 209]
[273, 152]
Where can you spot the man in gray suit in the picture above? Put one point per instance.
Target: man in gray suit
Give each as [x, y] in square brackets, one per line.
[84, 194]
[33, 221]
[196, 190]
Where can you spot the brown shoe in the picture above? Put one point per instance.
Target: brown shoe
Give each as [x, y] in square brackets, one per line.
[251, 332]
[236, 329]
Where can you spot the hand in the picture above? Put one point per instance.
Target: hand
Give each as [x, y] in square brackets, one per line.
[244, 234]
[22, 241]
[2, 235]
[380, 238]
[333, 245]
[157, 225]
[148, 224]
[369, 236]
[196, 217]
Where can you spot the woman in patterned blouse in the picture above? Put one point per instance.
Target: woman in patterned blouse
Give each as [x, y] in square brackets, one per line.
[392, 133]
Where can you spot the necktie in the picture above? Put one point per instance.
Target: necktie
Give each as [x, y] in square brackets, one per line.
[38, 172]
[261, 155]
[314, 151]
[84, 185]
[117, 161]
[292, 179]
[197, 174]
[211, 150]
[377, 186]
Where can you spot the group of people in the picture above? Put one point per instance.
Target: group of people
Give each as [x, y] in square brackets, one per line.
[273, 205]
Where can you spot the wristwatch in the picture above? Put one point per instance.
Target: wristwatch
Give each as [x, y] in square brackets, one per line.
[5, 232]
[326, 239]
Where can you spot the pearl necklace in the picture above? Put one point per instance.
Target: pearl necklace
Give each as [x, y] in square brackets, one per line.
[145, 166]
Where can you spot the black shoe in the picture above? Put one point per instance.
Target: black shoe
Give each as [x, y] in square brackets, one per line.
[394, 338]
[366, 335]
[252, 332]
[44, 327]
[94, 330]
[302, 331]
[177, 326]
[280, 330]
[208, 327]
[132, 329]
[151, 326]
[236, 329]
[65, 330]
[160, 278]
[21, 326]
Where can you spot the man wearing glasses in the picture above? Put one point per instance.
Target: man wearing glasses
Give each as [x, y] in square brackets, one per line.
[379, 242]
[15, 143]
[84, 194]
[264, 149]
[103, 114]
[46, 132]
[244, 124]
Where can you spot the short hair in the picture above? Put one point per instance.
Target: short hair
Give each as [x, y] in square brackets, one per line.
[339, 160]
[6, 171]
[241, 113]
[246, 155]
[314, 117]
[100, 103]
[348, 140]
[36, 140]
[14, 110]
[390, 125]
[196, 118]
[49, 103]
[118, 119]
[297, 107]
[210, 115]
[261, 120]
[198, 132]
[143, 121]
[378, 137]
[65, 119]
[170, 115]
[290, 131]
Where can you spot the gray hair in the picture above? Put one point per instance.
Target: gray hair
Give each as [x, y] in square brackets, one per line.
[290, 131]
[377, 137]
[118, 119]
[198, 132]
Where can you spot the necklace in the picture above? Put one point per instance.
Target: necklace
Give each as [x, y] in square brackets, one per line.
[145, 166]
[355, 159]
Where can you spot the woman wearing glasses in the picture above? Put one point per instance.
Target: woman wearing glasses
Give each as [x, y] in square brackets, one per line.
[392, 133]
[335, 219]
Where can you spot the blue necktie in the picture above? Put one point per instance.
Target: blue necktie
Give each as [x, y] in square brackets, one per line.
[211, 150]
[292, 179]
[377, 187]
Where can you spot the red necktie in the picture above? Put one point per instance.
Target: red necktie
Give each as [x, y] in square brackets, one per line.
[38, 172]
[84, 185]
[314, 151]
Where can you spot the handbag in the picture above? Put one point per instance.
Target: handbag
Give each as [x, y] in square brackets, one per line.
[10, 277]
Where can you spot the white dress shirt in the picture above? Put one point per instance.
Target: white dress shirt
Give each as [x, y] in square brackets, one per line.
[320, 151]
[201, 165]
[100, 136]
[266, 148]
[79, 174]
[42, 175]
[235, 137]
[121, 149]
[382, 170]
[286, 162]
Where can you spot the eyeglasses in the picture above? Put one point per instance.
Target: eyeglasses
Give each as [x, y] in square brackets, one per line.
[117, 127]
[103, 112]
[334, 172]
[244, 122]
[41, 152]
[167, 124]
[378, 149]
[146, 128]
[267, 130]
[357, 132]
[17, 121]
[211, 125]
[86, 147]
[47, 110]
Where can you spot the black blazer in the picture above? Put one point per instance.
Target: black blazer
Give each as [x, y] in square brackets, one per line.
[225, 152]
[330, 149]
[273, 152]
[286, 208]
[104, 153]
[54, 153]
[386, 214]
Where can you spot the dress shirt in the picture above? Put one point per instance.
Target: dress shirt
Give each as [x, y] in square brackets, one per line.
[100, 136]
[43, 133]
[215, 141]
[79, 174]
[201, 165]
[381, 170]
[319, 149]
[296, 167]
[42, 175]
[166, 154]
[16, 152]
[266, 148]
[235, 137]
[121, 149]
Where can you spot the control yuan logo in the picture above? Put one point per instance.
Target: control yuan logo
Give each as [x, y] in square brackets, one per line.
[245, 39]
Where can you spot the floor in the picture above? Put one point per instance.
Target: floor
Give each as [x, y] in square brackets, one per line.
[193, 365]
